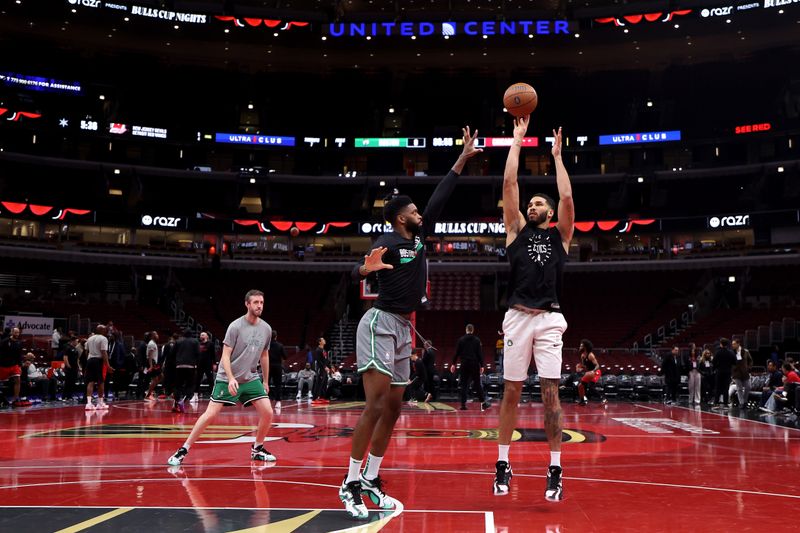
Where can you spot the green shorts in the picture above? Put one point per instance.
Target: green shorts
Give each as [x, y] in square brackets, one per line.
[248, 392]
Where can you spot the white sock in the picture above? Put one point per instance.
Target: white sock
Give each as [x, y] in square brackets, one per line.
[373, 465]
[502, 452]
[353, 470]
[555, 458]
[186, 445]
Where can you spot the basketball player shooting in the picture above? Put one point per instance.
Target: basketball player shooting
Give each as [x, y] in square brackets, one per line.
[383, 337]
[533, 324]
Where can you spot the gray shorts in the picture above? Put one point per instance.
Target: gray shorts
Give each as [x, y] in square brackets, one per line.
[383, 342]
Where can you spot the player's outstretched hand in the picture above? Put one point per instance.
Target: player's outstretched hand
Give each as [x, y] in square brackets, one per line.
[374, 261]
[557, 143]
[469, 143]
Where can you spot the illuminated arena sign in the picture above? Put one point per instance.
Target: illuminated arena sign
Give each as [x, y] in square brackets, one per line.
[471, 28]
[261, 140]
[778, 3]
[752, 128]
[37, 83]
[730, 221]
[637, 138]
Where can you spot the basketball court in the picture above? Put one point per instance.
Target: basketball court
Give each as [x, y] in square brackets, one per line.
[628, 467]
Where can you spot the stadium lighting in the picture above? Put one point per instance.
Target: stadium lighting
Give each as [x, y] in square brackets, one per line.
[27, 291]
[102, 97]
[149, 277]
[391, 110]
[731, 279]
[382, 183]
[640, 179]
[780, 169]
[649, 103]
[250, 106]
[252, 180]
[116, 171]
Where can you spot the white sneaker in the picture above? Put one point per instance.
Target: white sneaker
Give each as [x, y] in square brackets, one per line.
[90, 407]
[297, 398]
[195, 398]
[277, 405]
[102, 406]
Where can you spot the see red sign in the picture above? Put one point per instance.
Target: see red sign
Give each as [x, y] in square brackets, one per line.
[753, 128]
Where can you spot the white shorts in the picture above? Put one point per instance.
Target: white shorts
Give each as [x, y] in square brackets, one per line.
[529, 334]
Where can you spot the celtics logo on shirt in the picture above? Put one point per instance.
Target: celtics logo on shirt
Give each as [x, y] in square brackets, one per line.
[539, 249]
[406, 256]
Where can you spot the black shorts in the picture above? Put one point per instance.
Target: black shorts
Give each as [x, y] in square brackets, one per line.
[154, 371]
[94, 370]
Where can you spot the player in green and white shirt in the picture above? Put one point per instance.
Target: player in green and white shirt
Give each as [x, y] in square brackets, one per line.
[246, 344]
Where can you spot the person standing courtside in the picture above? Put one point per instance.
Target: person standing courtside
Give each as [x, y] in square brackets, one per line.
[724, 360]
[96, 361]
[187, 354]
[741, 371]
[383, 337]
[246, 344]
[671, 370]
[470, 351]
[205, 365]
[534, 324]
[277, 355]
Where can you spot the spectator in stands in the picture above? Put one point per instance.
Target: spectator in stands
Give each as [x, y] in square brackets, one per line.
[322, 367]
[741, 372]
[429, 360]
[206, 365]
[153, 368]
[670, 369]
[416, 384]
[305, 377]
[38, 380]
[187, 355]
[167, 362]
[470, 351]
[334, 389]
[788, 391]
[11, 364]
[71, 370]
[774, 380]
[277, 355]
[590, 372]
[723, 364]
[694, 375]
[55, 342]
[96, 363]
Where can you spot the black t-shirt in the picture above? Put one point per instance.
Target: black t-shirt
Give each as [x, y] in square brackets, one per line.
[72, 356]
[186, 352]
[206, 354]
[469, 350]
[588, 365]
[429, 358]
[402, 289]
[277, 354]
[537, 260]
[10, 352]
[724, 360]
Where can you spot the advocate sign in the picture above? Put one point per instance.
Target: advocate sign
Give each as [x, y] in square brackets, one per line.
[30, 325]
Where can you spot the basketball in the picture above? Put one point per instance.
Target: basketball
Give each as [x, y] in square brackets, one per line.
[520, 99]
[294, 232]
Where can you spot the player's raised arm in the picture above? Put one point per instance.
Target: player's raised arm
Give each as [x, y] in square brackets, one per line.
[512, 217]
[566, 207]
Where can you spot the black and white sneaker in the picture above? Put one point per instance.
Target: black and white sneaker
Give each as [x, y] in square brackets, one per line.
[178, 458]
[555, 489]
[258, 453]
[350, 494]
[486, 404]
[502, 478]
[374, 489]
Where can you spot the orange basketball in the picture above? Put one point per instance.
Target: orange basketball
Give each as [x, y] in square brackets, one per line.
[520, 99]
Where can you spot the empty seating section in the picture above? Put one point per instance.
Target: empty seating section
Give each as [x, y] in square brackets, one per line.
[457, 291]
